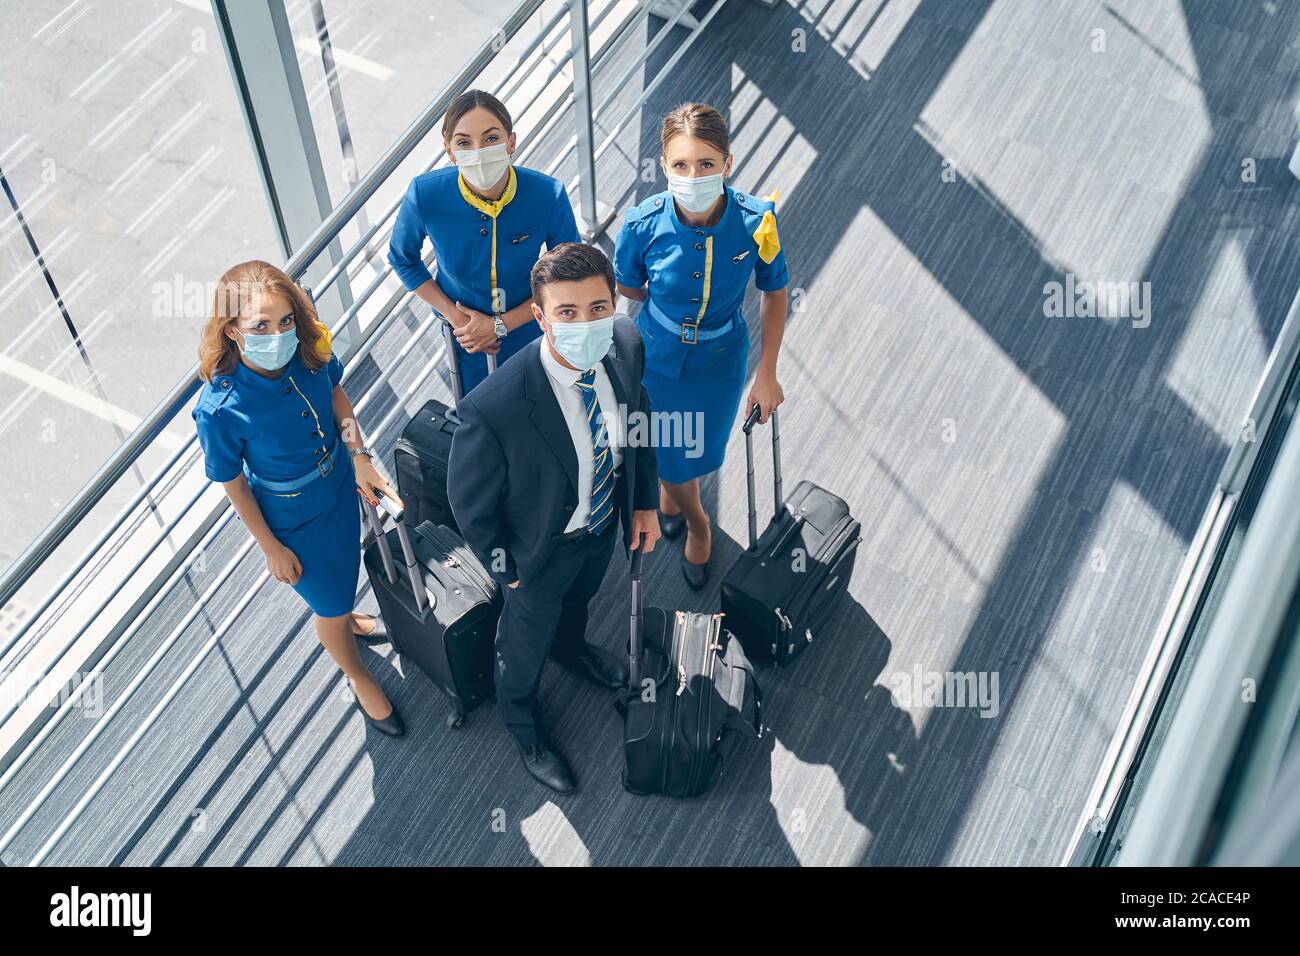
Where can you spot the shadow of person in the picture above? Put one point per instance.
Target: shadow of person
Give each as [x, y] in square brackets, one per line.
[834, 745]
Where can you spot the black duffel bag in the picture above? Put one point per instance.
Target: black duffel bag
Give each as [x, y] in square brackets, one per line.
[691, 698]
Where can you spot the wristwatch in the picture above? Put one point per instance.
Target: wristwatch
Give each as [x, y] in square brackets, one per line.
[361, 450]
[499, 325]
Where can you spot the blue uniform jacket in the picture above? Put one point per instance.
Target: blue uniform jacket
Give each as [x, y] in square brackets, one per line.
[539, 214]
[687, 268]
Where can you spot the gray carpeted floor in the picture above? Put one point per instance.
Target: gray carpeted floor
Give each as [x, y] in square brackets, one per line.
[1027, 485]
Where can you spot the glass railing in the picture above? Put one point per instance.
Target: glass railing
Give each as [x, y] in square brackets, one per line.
[551, 66]
[1199, 622]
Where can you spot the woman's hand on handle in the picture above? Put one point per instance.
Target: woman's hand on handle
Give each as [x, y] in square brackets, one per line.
[767, 394]
[283, 563]
[369, 480]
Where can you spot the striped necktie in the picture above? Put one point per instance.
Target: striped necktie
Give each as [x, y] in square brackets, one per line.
[602, 471]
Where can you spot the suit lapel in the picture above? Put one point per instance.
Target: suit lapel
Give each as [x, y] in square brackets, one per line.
[546, 415]
[616, 368]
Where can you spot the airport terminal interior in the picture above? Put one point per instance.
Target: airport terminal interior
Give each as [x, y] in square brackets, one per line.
[1089, 510]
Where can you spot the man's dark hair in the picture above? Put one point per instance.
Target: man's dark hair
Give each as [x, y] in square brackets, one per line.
[571, 262]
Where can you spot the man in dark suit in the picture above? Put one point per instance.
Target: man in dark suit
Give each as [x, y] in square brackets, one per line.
[541, 470]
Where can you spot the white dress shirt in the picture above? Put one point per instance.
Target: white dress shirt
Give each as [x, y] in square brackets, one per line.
[569, 395]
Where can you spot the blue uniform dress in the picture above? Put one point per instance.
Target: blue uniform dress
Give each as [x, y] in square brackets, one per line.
[481, 245]
[697, 343]
[277, 431]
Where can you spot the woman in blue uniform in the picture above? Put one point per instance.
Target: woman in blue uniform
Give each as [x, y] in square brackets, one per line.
[689, 253]
[279, 433]
[488, 221]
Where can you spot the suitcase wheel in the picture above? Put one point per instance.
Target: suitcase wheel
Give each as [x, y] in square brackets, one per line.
[455, 721]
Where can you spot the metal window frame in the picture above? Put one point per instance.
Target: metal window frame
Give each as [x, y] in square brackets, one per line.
[322, 238]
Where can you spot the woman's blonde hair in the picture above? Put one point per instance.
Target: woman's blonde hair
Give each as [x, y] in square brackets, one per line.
[698, 121]
[231, 301]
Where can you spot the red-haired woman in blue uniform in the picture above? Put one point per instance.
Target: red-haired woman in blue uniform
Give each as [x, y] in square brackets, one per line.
[279, 434]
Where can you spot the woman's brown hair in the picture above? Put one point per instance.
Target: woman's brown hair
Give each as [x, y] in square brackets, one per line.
[698, 121]
[471, 100]
[231, 300]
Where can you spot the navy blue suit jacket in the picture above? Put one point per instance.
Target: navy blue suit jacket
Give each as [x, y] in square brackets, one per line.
[513, 473]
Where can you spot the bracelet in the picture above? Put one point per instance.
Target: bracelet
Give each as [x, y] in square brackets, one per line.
[362, 450]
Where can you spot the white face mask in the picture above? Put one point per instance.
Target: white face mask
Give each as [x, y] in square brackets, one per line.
[697, 194]
[483, 168]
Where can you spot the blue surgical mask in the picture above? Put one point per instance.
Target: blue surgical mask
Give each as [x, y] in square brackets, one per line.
[270, 352]
[695, 194]
[583, 344]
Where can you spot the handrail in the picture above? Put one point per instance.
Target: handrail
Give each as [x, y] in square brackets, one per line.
[328, 280]
[147, 668]
[318, 242]
[70, 641]
[32, 557]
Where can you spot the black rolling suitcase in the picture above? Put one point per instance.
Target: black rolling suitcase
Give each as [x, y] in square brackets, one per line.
[442, 611]
[784, 586]
[692, 697]
[423, 449]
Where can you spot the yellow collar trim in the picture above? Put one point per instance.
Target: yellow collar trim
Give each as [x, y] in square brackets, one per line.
[492, 208]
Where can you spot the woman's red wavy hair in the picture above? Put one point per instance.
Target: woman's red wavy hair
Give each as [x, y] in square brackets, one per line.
[232, 301]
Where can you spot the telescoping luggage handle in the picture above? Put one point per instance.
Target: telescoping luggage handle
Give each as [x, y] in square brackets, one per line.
[634, 639]
[397, 512]
[448, 336]
[778, 498]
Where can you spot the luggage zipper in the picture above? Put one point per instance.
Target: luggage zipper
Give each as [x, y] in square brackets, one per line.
[805, 589]
[711, 646]
[805, 586]
[783, 625]
[699, 711]
[452, 545]
[412, 449]
[679, 642]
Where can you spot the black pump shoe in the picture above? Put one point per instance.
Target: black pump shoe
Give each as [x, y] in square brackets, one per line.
[391, 725]
[378, 636]
[670, 526]
[695, 574]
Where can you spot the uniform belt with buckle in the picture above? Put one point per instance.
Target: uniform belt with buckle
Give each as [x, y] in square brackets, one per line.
[324, 467]
[689, 331]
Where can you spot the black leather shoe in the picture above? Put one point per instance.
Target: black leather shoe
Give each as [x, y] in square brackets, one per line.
[598, 666]
[670, 526]
[378, 636]
[391, 725]
[695, 574]
[548, 767]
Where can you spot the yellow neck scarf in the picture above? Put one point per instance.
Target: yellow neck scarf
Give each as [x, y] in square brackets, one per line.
[489, 206]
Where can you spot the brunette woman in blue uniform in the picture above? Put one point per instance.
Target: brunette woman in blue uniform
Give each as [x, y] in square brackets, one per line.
[279, 434]
[688, 253]
[488, 221]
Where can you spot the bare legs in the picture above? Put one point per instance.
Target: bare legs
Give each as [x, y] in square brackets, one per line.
[338, 635]
[685, 499]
